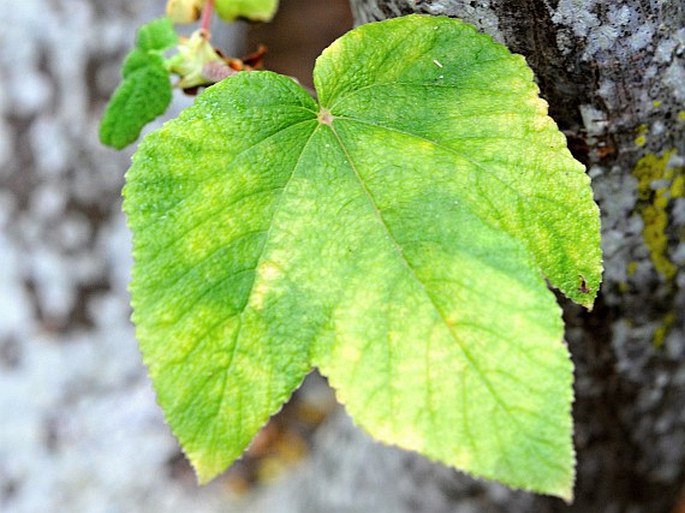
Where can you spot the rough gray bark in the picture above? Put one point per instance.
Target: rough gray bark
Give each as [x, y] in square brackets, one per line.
[614, 75]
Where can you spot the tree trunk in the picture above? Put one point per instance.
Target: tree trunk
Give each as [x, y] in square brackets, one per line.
[614, 76]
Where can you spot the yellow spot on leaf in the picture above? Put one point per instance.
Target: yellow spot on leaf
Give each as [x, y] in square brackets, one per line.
[350, 353]
[267, 273]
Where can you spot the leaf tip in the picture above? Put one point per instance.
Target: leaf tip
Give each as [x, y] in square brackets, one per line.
[588, 304]
[587, 290]
[205, 471]
[561, 489]
[203, 476]
[565, 491]
[567, 497]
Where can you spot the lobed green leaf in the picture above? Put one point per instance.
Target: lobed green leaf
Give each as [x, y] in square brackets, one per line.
[158, 35]
[396, 236]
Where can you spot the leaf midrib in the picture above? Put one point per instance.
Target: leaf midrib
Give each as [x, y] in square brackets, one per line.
[235, 343]
[260, 260]
[395, 243]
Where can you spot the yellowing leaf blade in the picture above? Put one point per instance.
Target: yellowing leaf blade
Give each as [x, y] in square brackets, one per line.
[447, 339]
[486, 119]
[396, 237]
[201, 214]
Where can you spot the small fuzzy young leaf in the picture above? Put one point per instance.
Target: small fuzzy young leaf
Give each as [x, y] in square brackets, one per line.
[395, 236]
[145, 91]
[144, 94]
[255, 10]
[157, 35]
[138, 59]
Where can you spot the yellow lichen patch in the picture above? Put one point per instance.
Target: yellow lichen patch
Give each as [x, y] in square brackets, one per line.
[657, 103]
[650, 170]
[641, 138]
[632, 267]
[654, 233]
[663, 329]
[681, 115]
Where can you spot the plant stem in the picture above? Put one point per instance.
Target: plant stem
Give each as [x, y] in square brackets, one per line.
[206, 21]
